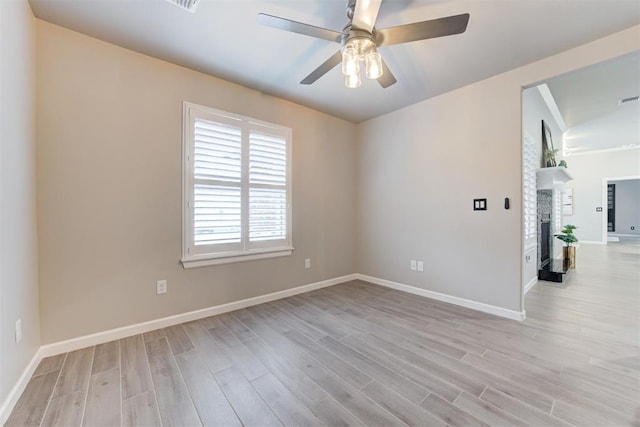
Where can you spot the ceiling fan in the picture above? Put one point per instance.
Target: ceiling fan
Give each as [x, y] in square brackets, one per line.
[360, 40]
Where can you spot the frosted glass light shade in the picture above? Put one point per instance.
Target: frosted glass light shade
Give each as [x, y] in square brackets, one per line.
[350, 61]
[352, 81]
[373, 63]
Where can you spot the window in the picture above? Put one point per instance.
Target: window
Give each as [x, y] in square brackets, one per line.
[237, 189]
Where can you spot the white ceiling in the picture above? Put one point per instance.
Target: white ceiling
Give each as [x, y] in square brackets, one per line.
[223, 38]
[588, 102]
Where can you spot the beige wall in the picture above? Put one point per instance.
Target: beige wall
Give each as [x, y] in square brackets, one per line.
[109, 188]
[18, 241]
[420, 167]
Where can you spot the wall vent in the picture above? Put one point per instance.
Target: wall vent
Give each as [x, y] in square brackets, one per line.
[632, 100]
[189, 5]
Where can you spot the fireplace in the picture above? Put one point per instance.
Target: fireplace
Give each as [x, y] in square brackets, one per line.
[545, 210]
[550, 183]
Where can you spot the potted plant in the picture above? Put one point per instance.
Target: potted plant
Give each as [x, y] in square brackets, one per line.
[568, 251]
[550, 157]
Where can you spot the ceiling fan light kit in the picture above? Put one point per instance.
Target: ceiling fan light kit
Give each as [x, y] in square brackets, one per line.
[356, 51]
[360, 40]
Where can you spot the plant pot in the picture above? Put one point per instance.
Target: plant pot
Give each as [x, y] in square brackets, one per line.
[569, 255]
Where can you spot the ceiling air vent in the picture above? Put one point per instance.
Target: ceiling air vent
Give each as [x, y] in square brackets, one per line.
[189, 5]
[632, 100]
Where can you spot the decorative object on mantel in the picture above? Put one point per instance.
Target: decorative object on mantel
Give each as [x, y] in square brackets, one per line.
[562, 164]
[548, 152]
[568, 251]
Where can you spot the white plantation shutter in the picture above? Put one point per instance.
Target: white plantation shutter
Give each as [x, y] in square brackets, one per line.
[236, 188]
[267, 182]
[267, 214]
[217, 215]
[267, 159]
[217, 151]
[530, 192]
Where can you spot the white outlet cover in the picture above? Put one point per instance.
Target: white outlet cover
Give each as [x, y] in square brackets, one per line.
[18, 330]
[420, 266]
[161, 287]
[307, 263]
[413, 265]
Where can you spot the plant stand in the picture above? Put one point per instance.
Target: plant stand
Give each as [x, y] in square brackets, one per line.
[569, 255]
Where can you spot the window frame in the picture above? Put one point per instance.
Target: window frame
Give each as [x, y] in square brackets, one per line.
[245, 250]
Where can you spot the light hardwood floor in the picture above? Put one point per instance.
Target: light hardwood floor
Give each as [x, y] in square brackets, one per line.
[360, 354]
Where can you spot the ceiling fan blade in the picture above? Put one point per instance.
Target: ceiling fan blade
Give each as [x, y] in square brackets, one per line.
[365, 14]
[423, 30]
[323, 69]
[387, 78]
[299, 27]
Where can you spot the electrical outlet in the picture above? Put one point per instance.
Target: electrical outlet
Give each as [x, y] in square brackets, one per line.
[420, 266]
[161, 287]
[307, 263]
[18, 330]
[413, 265]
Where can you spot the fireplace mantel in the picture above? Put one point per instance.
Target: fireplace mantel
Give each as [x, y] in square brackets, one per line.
[550, 178]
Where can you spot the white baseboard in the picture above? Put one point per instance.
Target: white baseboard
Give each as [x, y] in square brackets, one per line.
[593, 242]
[18, 388]
[139, 328]
[530, 285]
[474, 305]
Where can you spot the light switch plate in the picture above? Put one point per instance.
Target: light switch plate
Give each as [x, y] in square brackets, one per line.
[479, 204]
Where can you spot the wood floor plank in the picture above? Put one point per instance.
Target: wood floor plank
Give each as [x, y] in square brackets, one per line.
[49, 364]
[415, 373]
[486, 412]
[283, 403]
[425, 360]
[282, 346]
[140, 410]
[103, 407]
[178, 339]
[174, 403]
[65, 410]
[210, 351]
[134, 367]
[69, 395]
[74, 375]
[289, 375]
[239, 330]
[106, 357]
[277, 315]
[335, 363]
[398, 406]
[209, 400]
[153, 335]
[357, 403]
[248, 404]
[588, 398]
[331, 413]
[30, 408]
[521, 409]
[243, 360]
[448, 413]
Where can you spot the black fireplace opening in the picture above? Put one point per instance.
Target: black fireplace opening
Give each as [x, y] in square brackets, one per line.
[545, 243]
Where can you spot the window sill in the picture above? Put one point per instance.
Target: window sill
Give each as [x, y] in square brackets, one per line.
[219, 259]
